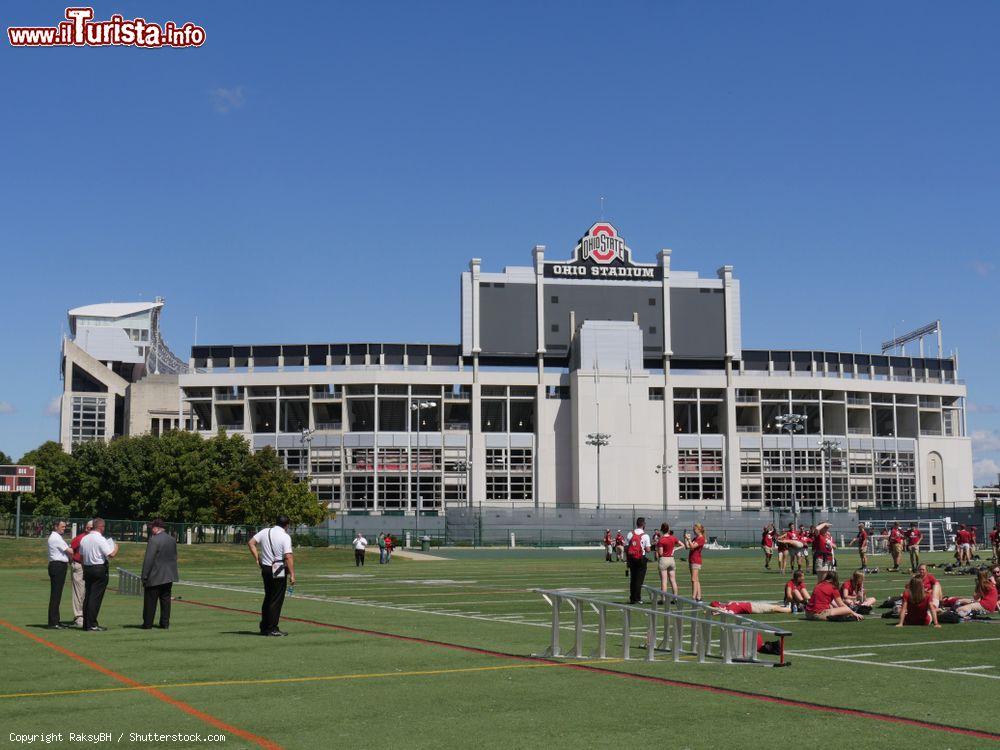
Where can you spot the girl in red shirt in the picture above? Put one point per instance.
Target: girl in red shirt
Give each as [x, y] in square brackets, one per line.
[695, 546]
[853, 593]
[918, 606]
[985, 600]
[767, 544]
[826, 602]
[796, 593]
[665, 547]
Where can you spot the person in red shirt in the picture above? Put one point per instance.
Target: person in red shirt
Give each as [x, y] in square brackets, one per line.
[822, 544]
[609, 546]
[895, 546]
[796, 593]
[985, 599]
[389, 547]
[752, 608]
[918, 607]
[767, 544]
[826, 603]
[76, 566]
[861, 539]
[852, 591]
[695, 547]
[931, 584]
[664, 549]
[963, 546]
[995, 542]
[619, 546]
[790, 544]
[913, 537]
[806, 537]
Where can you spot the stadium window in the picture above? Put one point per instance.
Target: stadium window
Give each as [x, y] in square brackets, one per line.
[494, 415]
[655, 394]
[652, 301]
[555, 328]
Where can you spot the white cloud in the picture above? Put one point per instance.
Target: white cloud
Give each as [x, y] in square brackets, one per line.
[52, 408]
[982, 408]
[6, 407]
[225, 100]
[984, 471]
[986, 441]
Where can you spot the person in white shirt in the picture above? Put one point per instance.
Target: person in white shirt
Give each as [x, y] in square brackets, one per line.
[360, 544]
[637, 544]
[272, 549]
[59, 553]
[95, 551]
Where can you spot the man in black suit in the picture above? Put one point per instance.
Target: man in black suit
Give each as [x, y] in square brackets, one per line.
[159, 571]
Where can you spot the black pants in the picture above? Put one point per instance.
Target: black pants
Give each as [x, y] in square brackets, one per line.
[636, 577]
[274, 598]
[95, 582]
[359, 557]
[150, 596]
[57, 579]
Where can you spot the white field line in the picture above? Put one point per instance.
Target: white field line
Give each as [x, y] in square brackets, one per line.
[912, 661]
[970, 669]
[891, 665]
[853, 656]
[854, 646]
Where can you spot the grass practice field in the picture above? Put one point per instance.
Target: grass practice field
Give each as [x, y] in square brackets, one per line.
[458, 677]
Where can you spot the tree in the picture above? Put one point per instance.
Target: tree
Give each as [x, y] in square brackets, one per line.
[272, 492]
[54, 481]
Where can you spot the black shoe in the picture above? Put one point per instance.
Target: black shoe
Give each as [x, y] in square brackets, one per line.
[96, 629]
[276, 633]
[58, 626]
[165, 627]
[146, 627]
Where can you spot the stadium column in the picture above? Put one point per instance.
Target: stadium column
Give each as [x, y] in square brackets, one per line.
[732, 443]
[538, 255]
[669, 479]
[477, 450]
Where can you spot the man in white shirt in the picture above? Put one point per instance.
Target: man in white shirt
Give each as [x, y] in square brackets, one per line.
[59, 553]
[637, 544]
[360, 544]
[272, 550]
[95, 551]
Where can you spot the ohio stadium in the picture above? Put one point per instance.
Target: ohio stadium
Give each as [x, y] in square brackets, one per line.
[592, 381]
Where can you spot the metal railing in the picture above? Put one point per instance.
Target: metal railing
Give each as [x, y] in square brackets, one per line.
[129, 583]
[737, 642]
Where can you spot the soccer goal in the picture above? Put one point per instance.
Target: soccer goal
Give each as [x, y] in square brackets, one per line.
[938, 535]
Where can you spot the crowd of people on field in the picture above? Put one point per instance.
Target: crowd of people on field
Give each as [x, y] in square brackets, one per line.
[921, 602]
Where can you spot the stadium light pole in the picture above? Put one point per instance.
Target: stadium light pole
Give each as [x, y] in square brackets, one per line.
[828, 447]
[416, 408]
[465, 466]
[792, 423]
[598, 439]
[664, 469]
[305, 438]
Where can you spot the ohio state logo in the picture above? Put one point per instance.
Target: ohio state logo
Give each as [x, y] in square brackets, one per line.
[602, 244]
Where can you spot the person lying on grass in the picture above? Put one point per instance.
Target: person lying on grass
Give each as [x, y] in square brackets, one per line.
[984, 600]
[827, 604]
[918, 607]
[796, 593]
[756, 608]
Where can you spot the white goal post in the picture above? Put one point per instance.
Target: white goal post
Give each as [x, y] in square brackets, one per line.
[939, 534]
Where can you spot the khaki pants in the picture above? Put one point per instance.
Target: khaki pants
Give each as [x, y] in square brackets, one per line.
[78, 591]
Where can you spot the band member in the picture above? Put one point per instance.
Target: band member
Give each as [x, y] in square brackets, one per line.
[695, 547]
[918, 607]
[895, 546]
[609, 546]
[665, 547]
[767, 544]
[826, 602]
[913, 537]
[861, 539]
[852, 591]
[619, 547]
[796, 593]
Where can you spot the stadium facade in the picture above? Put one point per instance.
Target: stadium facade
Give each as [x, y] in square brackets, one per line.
[589, 381]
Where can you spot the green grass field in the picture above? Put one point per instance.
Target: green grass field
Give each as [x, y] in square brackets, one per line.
[338, 686]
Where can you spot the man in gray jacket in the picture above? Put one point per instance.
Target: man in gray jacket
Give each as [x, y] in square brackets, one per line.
[159, 571]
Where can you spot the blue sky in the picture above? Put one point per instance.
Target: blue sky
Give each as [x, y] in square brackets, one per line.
[325, 174]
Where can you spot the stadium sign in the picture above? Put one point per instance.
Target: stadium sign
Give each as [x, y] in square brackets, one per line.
[602, 254]
[17, 478]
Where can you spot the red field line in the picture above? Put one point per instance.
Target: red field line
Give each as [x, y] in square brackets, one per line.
[731, 692]
[185, 707]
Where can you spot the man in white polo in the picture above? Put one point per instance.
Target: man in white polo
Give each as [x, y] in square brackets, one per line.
[59, 553]
[272, 549]
[95, 552]
[360, 544]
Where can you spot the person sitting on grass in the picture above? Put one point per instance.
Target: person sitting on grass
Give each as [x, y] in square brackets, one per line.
[983, 602]
[852, 591]
[826, 603]
[796, 593]
[931, 584]
[918, 607]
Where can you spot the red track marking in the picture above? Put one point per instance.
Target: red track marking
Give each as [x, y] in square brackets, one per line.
[731, 692]
[186, 708]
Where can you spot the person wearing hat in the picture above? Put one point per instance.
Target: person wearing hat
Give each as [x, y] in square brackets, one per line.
[159, 571]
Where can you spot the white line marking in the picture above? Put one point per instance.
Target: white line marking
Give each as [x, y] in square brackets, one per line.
[912, 661]
[893, 666]
[853, 656]
[969, 669]
[895, 645]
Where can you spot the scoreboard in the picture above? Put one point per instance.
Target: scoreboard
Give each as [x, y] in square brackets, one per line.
[17, 478]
